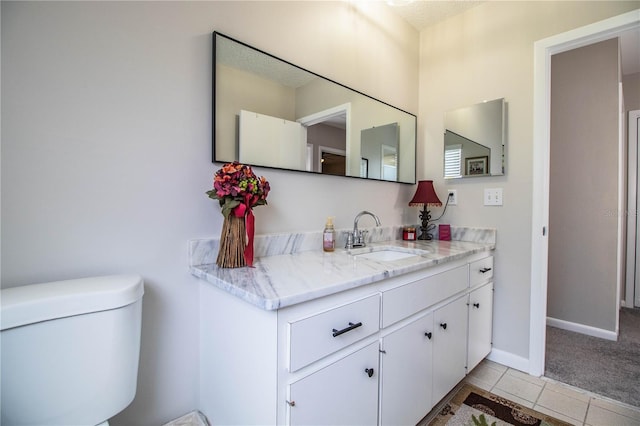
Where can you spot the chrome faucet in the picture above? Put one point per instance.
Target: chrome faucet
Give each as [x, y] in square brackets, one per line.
[357, 237]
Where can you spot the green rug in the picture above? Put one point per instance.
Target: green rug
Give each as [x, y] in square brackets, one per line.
[474, 406]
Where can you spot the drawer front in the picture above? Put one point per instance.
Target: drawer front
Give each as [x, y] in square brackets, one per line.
[319, 335]
[481, 271]
[406, 300]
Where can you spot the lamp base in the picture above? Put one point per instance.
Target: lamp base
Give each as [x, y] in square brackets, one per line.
[425, 217]
[425, 236]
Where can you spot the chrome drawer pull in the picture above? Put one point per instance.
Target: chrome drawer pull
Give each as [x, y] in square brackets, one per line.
[352, 326]
[483, 270]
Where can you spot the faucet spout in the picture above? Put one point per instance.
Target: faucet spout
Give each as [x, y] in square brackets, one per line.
[362, 213]
[356, 239]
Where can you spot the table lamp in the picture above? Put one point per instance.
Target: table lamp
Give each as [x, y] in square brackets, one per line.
[425, 196]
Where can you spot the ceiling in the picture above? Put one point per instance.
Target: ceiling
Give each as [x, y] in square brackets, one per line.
[424, 13]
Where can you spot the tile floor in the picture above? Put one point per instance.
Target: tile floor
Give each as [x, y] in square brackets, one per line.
[573, 405]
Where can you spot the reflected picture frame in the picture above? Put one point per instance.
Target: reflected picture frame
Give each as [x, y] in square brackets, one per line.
[476, 166]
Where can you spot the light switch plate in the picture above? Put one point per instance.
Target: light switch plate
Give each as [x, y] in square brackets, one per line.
[493, 196]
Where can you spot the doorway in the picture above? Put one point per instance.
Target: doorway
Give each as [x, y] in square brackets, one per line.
[586, 182]
[332, 161]
[331, 127]
[543, 50]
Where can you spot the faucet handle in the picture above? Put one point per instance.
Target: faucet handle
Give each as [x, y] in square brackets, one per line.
[349, 243]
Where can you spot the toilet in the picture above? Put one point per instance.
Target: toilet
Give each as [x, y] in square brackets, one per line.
[69, 350]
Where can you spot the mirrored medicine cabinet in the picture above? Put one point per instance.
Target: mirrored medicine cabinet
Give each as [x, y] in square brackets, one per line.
[268, 112]
[474, 140]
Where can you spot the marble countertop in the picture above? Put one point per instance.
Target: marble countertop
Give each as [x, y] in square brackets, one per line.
[283, 280]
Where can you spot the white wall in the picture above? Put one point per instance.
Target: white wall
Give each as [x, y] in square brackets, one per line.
[106, 147]
[487, 53]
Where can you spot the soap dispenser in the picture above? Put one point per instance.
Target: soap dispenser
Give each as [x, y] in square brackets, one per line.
[329, 236]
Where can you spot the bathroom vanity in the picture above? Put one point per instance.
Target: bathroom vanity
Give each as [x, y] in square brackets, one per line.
[337, 338]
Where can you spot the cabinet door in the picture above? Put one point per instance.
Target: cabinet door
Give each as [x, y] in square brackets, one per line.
[405, 373]
[449, 346]
[480, 325]
[343, 393]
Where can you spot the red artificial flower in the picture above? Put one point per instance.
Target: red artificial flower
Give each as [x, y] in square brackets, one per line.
[238, 189]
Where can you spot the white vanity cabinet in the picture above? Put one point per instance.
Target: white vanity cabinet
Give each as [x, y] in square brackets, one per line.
[383, 353]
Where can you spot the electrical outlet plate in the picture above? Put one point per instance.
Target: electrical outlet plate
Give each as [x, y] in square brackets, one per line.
[493, 196]
[453, 197]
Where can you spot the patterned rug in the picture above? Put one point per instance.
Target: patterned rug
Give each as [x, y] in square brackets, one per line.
[476, 407]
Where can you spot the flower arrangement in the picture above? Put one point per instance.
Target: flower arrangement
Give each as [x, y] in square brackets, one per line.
[238, 190]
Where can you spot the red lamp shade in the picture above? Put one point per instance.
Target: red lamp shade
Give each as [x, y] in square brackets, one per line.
[425, 195]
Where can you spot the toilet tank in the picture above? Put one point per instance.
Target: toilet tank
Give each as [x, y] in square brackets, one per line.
[69, 350]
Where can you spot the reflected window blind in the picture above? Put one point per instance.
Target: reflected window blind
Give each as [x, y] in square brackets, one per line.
[452, 161]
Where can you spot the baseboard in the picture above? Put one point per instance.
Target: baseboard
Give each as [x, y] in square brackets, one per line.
[581, 328]
[508, 359]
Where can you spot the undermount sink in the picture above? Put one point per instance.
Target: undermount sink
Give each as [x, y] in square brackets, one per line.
[388, 254]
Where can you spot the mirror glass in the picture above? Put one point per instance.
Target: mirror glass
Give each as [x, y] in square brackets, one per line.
[270, 113]
[474, 140]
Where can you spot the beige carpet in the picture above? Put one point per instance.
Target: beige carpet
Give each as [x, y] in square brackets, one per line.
[605, 367]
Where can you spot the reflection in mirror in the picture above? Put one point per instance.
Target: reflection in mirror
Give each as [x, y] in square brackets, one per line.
[474, 140]
[380, 147]
[270, 113]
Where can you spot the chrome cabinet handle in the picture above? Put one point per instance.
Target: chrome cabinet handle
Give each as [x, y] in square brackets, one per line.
[352, 326]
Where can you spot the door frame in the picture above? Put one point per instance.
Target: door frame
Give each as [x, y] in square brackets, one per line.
[339, 114]
[633, 218]
[543, 50]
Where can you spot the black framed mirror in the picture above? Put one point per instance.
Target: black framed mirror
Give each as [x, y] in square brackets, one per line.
[268, 112]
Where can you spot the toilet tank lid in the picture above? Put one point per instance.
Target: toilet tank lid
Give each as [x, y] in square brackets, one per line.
[41, 302]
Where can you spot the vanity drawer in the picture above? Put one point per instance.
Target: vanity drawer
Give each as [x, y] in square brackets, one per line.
[316, 336]
[481, 271]
[408, 299]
